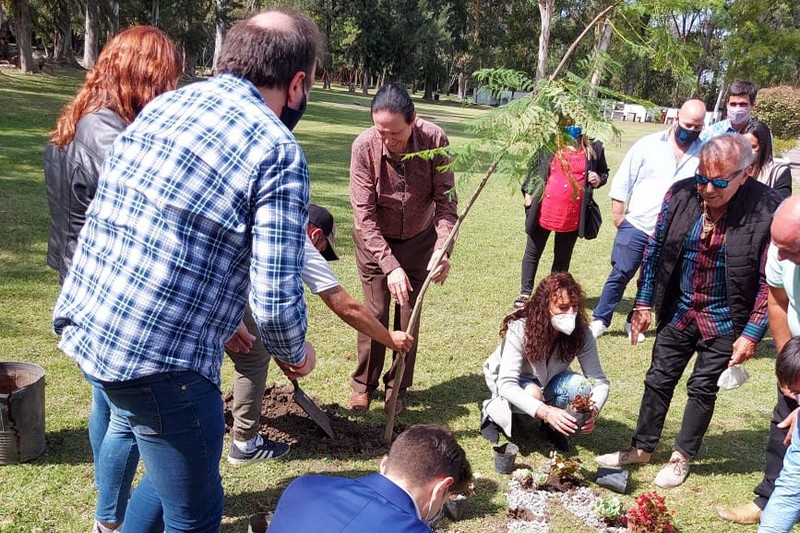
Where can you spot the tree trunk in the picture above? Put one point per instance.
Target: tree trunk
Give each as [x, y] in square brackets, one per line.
[22, 18]
[708, 33]
[546, 13]
[462, 86]
[3, 34]
[429, 85]
[62, 45]
[221, 25]
[155, 13]
[600, 49]
[113, 17]
[365, 83]
[90, 36]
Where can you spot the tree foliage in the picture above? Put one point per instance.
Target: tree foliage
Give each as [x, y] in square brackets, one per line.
[660, 50]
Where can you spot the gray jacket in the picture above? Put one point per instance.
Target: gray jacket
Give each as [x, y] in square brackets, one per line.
[71, 174]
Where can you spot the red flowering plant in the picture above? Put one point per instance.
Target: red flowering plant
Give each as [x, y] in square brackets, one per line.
[650, 515]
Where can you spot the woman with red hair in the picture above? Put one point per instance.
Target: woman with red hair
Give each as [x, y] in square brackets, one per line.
[529, 373]
[134, 67]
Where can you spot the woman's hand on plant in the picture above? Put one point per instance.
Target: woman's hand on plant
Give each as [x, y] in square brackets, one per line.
[559, 420]
[588, 426]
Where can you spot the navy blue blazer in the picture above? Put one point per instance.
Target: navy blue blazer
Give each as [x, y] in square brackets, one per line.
[315, 504]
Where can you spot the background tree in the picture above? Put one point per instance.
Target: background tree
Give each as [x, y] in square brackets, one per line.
[22, 23]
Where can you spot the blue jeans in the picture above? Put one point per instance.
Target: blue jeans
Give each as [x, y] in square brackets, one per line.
[626, 257]
[115, 460]
[560, 391]
[177, 421]
[783, 508]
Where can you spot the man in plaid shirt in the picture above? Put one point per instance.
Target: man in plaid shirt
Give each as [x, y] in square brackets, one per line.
[201, 205]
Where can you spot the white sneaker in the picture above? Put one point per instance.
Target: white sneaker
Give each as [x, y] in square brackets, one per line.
[674, 472]
[640, 338]
[628, 456]
[597, 328]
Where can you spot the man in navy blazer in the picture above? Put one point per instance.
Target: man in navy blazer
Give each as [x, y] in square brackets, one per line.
[424, 464]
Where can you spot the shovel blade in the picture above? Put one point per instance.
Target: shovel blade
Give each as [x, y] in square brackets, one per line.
[311, 409]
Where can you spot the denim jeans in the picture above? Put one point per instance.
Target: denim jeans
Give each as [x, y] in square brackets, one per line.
[177, 421]
[783, 508]
[560, 391]
[115, 458]
[626, 257]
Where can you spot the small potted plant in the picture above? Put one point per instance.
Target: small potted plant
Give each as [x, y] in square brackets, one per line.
[580, 408]
[608, 509]
[650, 515]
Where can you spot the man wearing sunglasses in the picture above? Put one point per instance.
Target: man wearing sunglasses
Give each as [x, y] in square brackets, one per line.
[703, 275]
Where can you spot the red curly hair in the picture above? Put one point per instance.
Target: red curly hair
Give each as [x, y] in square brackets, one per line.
[134, 67]
[541, 338]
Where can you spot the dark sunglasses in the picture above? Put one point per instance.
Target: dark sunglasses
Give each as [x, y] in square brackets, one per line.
[718, 183]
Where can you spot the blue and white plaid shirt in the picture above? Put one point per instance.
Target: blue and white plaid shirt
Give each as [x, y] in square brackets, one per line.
[203, 194]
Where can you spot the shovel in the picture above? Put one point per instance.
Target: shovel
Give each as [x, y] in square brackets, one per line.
[311, 409]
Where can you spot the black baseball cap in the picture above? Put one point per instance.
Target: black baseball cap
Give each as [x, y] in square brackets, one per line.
[322, 218]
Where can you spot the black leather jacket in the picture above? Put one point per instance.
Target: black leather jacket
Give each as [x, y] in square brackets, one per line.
[71, 174]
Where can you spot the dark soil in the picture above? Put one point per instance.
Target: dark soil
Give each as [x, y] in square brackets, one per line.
[524, 514]
[283, 420]
[557, 484]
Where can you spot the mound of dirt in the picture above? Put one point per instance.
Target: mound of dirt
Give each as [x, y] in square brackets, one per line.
[283, 420]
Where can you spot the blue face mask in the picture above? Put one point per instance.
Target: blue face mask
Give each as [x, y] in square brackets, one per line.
[574, 131]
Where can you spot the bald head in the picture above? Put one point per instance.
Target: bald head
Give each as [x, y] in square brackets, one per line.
[692, 112]
[785, 230]
[277, 20]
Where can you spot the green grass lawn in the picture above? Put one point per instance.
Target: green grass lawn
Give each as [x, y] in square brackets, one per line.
[459, 329]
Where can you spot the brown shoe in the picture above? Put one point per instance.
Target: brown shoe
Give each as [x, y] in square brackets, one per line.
[628, 456]
[747, 513]
[359, 401]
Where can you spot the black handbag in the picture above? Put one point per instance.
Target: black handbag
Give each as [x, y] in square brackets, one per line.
[591, 218]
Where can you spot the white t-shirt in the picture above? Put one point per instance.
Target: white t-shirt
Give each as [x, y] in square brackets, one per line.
[316, 273]
[785, 275]
[646, 174]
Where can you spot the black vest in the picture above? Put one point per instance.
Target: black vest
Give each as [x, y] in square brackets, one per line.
[746, 238]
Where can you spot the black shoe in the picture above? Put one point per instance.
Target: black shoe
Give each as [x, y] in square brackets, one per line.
[521, 300]
[264, 450]
[558, 440]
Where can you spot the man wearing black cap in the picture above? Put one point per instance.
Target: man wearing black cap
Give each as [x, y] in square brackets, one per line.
[251, 360]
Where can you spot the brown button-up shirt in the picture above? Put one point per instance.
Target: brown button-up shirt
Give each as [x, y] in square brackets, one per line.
[398, 199]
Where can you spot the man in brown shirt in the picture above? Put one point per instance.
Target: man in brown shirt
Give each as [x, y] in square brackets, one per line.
[403, 212]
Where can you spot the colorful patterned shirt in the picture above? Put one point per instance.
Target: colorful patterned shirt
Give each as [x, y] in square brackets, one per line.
[703, 281]
[205, 192]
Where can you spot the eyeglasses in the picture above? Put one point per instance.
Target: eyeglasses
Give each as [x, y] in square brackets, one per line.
[400, 168]
[718, 183]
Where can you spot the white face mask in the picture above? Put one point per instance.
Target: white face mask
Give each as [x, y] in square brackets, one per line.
[428, 519]
[738, 115]
[565, 323]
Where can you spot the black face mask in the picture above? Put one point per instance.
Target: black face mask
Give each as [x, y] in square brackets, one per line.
[290, 117]
[685, 137]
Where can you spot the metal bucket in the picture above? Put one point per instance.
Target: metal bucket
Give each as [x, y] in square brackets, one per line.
[21, 412]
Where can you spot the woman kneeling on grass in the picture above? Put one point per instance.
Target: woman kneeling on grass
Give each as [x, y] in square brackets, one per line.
[529, 372]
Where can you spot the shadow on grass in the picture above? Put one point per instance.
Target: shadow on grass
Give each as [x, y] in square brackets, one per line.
[67, 446]
[449, 400]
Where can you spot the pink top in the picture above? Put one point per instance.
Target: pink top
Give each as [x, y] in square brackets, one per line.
[563, 192]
